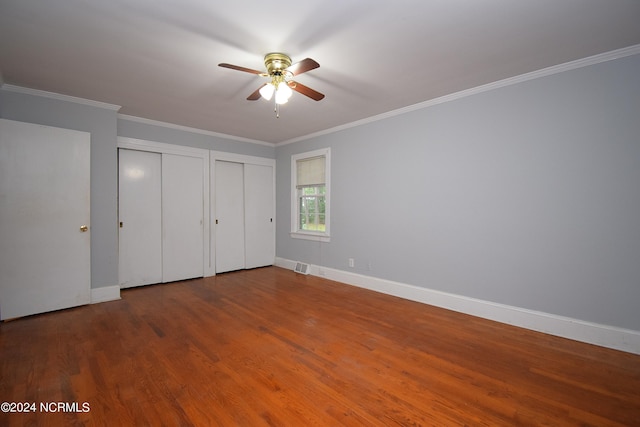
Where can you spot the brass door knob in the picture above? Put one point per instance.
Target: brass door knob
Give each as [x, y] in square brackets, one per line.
[84, 228]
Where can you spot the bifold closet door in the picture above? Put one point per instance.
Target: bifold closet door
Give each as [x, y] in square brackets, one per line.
[259, 210]
[229, 218]
[140, 217]
[182, 217]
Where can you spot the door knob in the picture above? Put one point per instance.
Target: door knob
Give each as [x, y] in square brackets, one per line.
[84, 228]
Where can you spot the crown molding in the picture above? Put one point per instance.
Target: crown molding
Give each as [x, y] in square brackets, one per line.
[191, 129]
[580, 63]
[59, 97]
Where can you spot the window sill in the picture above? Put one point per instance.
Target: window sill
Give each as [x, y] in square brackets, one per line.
[310, 236]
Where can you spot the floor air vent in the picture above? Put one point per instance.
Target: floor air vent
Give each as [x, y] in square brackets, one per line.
[302, 268]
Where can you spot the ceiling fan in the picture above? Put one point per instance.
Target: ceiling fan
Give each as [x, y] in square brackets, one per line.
[281, 73]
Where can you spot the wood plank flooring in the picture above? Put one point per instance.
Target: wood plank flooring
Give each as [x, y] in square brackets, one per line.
[269, 347]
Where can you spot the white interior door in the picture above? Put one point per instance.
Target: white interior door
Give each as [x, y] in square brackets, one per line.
[140, 216]
[182, 217]
[45, 261]
[259, 209]
[229, 217]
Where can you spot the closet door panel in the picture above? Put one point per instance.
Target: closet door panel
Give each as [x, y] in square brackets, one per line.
[229, 218]
[259, 216]
[139, 212]
[182, 217]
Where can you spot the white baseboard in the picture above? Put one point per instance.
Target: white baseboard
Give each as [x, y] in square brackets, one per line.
[104, 294]
[593, 333]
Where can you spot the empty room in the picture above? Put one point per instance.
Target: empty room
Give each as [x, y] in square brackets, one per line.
[359, 213]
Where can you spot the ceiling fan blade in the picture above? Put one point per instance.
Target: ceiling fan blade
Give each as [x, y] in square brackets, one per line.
[303, 66]
[305, 90]
[255, 95]
[236, 67]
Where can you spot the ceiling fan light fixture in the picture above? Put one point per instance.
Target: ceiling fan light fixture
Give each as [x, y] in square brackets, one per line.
[281, 72]
[283, 93]
[267, 91]
[281, 99]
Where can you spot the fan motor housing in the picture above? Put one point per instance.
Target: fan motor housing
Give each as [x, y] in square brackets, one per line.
[276, 63]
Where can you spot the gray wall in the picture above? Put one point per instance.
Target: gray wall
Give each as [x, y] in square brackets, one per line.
[105, 127]
[527, 195]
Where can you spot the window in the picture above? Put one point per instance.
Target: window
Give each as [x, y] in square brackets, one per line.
[310, 195]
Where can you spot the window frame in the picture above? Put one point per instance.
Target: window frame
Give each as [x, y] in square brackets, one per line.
[296, 232]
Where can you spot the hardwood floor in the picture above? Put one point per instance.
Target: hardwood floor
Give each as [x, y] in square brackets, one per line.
[269, 347]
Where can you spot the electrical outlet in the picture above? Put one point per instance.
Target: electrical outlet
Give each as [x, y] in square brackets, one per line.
[352, 262]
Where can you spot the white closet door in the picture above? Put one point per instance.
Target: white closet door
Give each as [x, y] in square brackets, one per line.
[259, 216]
[182, 217]
[229, 222]
[45, 261]
[140, 216]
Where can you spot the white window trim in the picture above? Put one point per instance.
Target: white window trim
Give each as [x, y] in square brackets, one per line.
[311, 235]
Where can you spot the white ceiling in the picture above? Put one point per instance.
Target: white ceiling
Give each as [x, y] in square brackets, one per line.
[158, 58]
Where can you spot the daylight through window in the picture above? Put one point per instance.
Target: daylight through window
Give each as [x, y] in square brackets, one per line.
[310, 172]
